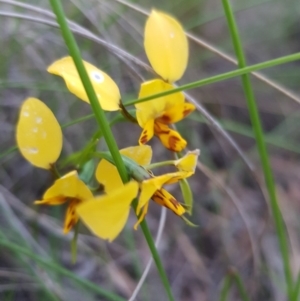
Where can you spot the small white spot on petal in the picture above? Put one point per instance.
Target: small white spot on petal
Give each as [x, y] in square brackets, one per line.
[38, 119]
[35, 130]
[97, 76]
[172, 35]
[44, 135]
[25, 113]
[31, 150]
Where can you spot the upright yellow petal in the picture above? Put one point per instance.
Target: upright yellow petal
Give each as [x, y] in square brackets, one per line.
[166, 46]
[106, 216]
[106, 89]
[148, 110]
[107, 174]
[38, 134]
[141, 154]
[188, 162]
[176, 113]
[155, 108]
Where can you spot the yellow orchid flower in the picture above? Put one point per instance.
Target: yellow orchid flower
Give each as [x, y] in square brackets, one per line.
[166, 46]
[38, 134]
[154, 116]
[71, 189]
[106, 89]
[151, 186]
[105, 215]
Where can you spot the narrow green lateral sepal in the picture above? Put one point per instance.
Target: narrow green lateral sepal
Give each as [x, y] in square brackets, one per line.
[187, 195]
[188, 222]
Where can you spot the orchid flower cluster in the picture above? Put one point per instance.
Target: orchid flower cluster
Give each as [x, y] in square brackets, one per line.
[39, 138]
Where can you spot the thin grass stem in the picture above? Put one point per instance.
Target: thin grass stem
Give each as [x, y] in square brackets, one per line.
[296, 288]
[262, 149]
[58, 269]
[227, 283]
[221, 77]
[240, 285]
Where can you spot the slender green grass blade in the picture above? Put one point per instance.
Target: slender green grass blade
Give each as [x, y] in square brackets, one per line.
[261, 146]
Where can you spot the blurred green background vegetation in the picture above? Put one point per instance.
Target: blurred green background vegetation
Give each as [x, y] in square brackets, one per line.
[231, 209]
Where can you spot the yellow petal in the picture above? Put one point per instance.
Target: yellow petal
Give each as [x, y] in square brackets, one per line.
[166, 46]
[69, 186]
[155, 108]
[107, 174]
[38, 134]
[170, 139]
[188, 162]
[147, 190]
[147, 132]
[141, 154]
[148, 187]
[52, 201]
[142, 216]
[176, 113]
[71, 216]
[106, 216]
[164, 198]
[106, 89]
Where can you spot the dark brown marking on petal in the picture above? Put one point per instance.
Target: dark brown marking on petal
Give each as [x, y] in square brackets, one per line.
[70, 224]
[143, 139]
[164, 119]
[186, 112]
[158, 130]
[174, 202]
[158, 196]
[173, 140]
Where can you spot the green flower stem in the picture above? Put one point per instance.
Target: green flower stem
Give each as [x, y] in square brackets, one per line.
[50, 265]
[74, 243]
[126, 114]
[53, 169]
[156, 259]
[159, 164]
[227, 283]
[221, 77]
[103, 124]
[262, 149]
